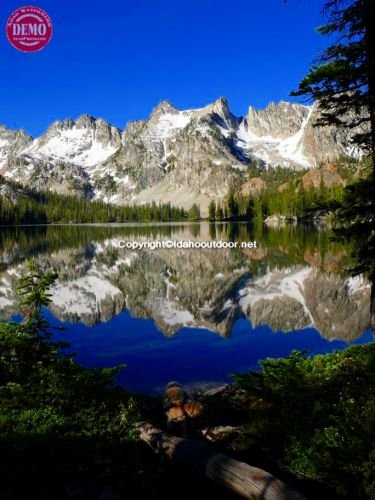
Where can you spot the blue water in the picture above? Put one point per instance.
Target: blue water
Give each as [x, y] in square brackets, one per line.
[194, 357]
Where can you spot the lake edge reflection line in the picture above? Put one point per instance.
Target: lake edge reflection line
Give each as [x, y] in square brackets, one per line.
[183, 244]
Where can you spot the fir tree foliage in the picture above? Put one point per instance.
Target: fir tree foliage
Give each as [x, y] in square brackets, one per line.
[343, 83]
[212, 210]
[284, 194]
[33, 207]
[342, 80]
[194, 212]
[40, 380]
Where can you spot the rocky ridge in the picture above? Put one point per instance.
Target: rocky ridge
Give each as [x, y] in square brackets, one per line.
[182, 157]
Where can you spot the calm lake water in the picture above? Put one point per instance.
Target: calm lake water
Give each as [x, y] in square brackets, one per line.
[193, 315]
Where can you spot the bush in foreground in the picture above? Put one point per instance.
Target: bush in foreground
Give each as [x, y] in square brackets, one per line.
[315, 417]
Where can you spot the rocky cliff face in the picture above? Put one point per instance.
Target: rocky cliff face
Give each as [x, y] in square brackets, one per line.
[12, 142]
[322, 144]
[327, 175]
[298, 297]
[177, 156]
[278, 121]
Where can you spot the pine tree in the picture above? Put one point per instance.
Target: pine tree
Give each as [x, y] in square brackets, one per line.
[232, 205]
[27, 347]
[250, 208]
[194, 212]
[258, 209]
[343, 82]
[212, 210]
[219, 212]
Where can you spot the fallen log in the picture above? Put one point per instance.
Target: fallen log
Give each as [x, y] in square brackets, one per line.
[247, 481]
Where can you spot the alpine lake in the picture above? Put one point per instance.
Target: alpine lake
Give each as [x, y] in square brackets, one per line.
[194, 315]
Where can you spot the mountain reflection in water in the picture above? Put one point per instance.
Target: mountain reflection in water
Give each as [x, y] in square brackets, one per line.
[196, 357]
[293, 282]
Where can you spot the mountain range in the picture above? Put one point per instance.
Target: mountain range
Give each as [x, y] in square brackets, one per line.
[182, 157]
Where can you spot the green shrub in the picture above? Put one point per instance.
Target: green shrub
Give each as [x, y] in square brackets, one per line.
[44, 390]
[316, 416]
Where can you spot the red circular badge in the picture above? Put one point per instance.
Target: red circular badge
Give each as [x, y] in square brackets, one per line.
[29, 29]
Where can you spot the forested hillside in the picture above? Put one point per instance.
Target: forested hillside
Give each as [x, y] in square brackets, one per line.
[19, 205]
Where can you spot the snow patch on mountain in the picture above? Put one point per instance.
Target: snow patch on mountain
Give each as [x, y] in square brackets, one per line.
[83, 295]
[169, 123]
[292, 148]
[173, 316]
[286, 283]
[76, 145]
[272, 150]
[357, 283]
[182, 157]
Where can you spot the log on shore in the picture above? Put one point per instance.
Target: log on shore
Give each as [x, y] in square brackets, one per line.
[247, 481]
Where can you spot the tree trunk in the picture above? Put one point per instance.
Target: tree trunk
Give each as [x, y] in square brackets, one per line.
[369, 19]
[247, 481]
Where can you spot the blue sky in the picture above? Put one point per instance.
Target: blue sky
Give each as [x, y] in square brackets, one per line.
[117, 59]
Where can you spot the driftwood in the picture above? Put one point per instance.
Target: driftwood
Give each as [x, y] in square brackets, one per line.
[247, 481]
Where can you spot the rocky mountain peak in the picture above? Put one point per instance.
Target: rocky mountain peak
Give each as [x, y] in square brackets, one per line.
[221, 106]
[181, 156]
[277, 120]
[164, 107]
[8, 134]
[59, 125]
[84, 128]
[221, 113]
[11, 143]
[86, 121]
